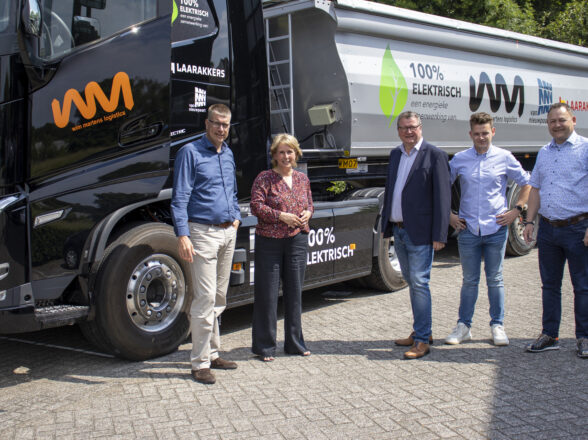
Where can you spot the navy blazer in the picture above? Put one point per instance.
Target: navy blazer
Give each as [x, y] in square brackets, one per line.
[426, 197]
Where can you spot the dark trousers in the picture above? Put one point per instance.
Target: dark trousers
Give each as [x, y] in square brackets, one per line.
[275, 259]
[556, 245]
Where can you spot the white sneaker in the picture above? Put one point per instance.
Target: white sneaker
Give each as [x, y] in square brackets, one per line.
[459, 334]
[499, 335]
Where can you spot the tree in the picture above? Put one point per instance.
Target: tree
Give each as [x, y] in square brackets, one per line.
[562, 20]
[569, 25]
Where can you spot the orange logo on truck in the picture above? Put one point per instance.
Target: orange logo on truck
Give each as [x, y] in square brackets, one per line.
[120, 85]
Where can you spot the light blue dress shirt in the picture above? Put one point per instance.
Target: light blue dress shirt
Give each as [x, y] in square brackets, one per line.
[561, 176]
[205, 186]
[483, 180]
[404, 166]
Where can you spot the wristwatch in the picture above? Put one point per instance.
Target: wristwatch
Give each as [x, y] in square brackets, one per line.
[529, 223]
[519, 207]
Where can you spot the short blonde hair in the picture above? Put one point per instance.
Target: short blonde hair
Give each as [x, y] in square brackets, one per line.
[289, 140]
[219, 109]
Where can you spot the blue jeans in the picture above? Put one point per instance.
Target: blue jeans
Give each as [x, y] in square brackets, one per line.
[556, 245]
[471, 250]
[415, 264]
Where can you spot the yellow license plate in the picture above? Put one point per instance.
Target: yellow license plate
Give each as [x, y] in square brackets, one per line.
[348, 163]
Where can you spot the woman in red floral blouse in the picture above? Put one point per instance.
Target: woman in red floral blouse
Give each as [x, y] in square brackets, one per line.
[282, 202]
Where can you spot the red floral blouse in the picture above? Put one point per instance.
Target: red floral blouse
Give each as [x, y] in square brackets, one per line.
[271, 195]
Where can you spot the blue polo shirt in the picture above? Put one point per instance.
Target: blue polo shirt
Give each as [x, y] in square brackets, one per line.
[205, 186]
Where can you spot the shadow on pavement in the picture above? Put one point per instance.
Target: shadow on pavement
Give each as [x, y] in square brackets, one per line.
[516, 395]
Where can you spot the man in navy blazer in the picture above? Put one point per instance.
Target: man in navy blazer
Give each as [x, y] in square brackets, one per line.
[417, 203]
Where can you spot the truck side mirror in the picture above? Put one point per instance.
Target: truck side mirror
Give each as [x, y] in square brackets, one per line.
[31, 17]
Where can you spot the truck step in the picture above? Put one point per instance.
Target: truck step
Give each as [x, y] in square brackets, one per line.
[56, 316]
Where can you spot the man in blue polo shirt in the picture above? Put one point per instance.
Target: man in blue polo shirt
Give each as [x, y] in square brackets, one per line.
[484, 171]
[206, 216]
[560, 194]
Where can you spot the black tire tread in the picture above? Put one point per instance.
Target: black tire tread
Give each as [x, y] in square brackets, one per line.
[377, 280]
[514, 245]
[99, 331]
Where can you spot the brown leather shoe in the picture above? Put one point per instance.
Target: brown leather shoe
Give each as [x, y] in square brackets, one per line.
[409, 342]
[221, 364]
[203, 375]
[417, 351]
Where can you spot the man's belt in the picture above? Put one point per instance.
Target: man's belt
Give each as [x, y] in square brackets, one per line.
[566, 222]
[399, 224]
[224, 225]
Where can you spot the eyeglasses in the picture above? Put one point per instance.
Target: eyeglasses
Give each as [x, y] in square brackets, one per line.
[409, 128]
[217, 124]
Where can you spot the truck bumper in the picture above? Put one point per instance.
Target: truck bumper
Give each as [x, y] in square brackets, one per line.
[17, 310]
[18, 320]
[17, 297]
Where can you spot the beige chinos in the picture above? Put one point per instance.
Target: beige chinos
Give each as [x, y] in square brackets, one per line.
[211, 271]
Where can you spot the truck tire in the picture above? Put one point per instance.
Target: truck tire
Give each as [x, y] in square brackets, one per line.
[386, 274]
[142, 295]
[515, 243]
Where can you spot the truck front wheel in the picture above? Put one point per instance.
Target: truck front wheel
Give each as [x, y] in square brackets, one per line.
[142, 295]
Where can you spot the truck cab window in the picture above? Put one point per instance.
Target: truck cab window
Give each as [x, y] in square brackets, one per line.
[4, 16]
[71, 23]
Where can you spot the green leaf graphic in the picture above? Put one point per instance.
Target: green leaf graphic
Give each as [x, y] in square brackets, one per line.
[393, 89]
[175, 11]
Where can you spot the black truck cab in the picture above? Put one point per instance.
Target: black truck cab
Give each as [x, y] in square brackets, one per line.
[96, 98]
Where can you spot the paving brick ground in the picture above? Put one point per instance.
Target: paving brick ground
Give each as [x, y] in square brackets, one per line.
[354, 386]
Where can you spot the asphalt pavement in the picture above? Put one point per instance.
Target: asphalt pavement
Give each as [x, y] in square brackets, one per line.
[356, 384]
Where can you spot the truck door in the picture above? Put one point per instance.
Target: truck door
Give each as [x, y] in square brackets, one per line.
[13, 207]
[99, 120]
[200, 64]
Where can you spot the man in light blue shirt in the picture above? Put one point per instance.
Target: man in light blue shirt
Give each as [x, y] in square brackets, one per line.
[206, 216]
[484, 172]
[560, 194]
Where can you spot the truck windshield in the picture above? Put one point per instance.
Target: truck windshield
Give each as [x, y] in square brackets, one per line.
[71, 23]
[5, 17]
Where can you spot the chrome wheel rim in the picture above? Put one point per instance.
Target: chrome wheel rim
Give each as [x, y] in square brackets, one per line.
[155, 293]
[392, 257]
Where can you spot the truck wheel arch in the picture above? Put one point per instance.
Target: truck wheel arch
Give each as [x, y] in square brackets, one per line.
[102, 235]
